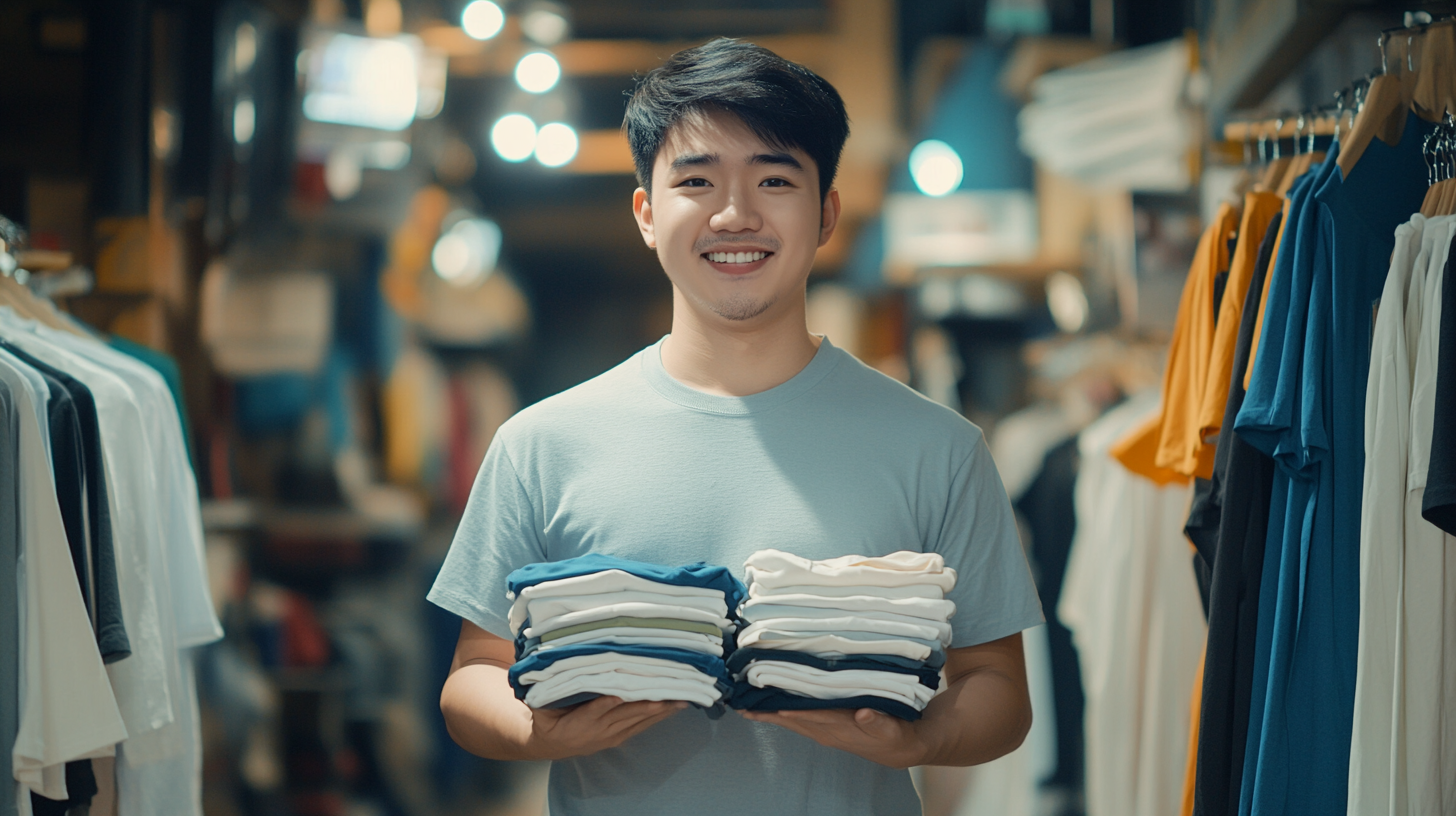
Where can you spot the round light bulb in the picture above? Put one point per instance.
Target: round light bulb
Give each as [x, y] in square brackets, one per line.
[514, 137]
[556, 144]
[244, 121]
[538, 72]
[544, 26]
[482, 19]
[936, 167]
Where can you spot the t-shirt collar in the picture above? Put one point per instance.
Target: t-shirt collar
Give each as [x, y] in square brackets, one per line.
[824, 361]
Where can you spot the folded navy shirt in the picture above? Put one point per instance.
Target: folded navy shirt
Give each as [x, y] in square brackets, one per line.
[748, 697]
[697, 574]
[536, 661]
[929, 676]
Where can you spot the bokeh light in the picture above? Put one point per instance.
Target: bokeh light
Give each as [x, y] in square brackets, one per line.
[538, 72]
[556, 144]
[482, 19]
[935, 167]
[514, 137]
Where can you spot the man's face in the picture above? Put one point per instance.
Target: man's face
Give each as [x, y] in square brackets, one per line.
[735, 221]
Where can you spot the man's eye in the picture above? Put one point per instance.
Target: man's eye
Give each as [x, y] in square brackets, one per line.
[775, 182]
[694, 182]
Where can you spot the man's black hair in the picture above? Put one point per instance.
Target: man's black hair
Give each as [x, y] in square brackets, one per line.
[783, 103]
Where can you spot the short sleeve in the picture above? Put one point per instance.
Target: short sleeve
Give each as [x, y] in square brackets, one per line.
[498, 533]
[994, 593]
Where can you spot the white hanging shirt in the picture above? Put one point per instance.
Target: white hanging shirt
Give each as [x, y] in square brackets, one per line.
[67, 709]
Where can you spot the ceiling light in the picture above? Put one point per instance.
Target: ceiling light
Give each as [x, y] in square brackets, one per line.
[467, 252]
[244, 121]
[935, 167]
[482, 19]
[245, 48]
[1067, 301]
[544, 24]
[514, 137]
[556, 144]
[538, 72]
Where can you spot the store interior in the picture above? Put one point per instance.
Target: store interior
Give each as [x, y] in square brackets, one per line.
[354, 237]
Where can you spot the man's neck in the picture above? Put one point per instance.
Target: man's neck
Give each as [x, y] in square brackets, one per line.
[736, 361]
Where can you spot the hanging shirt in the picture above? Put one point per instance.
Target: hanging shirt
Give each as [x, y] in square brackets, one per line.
[157, 772]
[9, 593]
[1229, 526]
[1427, 693]
[1269, 420]
[1139, 646]
[141, 681]
[1439, 505]
[839, 459]
[1190, 354]
[67, 709]
[1382, 519]
[1261, 212]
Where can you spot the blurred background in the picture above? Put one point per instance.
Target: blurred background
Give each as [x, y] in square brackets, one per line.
[366, 232]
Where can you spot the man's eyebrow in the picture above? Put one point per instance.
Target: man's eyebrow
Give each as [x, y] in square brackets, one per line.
[694, 160]
[775, 158]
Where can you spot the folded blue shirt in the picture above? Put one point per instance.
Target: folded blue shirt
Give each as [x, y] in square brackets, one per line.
[697, 574]
[536, 661]
[752, 698]
[929, 676]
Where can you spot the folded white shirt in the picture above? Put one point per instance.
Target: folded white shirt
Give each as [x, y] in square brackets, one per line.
[629, 636]
[832, 645]
[631, 609]
[878, 623]
[619, 664]
[629, 687]
[774, 568]
[829, 685]
[934, 610]
[544, 608]
[930, 591]
[606, 582]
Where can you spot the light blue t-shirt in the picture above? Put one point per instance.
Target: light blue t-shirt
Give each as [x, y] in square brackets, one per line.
[838, 460]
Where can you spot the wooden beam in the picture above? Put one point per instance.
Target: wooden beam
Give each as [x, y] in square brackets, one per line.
[1254, 45]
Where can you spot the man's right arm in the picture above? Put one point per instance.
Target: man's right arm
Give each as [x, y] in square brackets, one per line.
[485, 718]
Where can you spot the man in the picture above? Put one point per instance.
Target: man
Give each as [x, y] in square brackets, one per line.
[738, 431]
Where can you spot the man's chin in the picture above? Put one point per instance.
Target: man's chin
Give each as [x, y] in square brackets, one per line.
[741, 309]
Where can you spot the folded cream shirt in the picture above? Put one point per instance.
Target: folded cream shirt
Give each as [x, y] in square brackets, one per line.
[629, 687]
[629, 636]
[878, 623]
[933, 610]
[928, 591]
[599, 583]
[832, 645]
[829, 685]
[632, 609]
[773, 568]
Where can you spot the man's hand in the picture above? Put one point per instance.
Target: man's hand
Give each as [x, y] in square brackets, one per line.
[984, 713]
[865, 732]
[606, 722]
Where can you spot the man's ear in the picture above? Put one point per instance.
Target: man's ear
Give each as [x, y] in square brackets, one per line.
[642, 211]
[828, 217]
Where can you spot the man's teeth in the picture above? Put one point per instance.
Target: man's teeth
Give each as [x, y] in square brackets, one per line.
[736, 257]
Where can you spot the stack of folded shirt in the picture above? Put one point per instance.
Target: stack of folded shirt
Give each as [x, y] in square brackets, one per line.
[850, 632]
[598, 625]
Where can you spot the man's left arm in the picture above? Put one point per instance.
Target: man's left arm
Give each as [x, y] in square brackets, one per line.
[984, 713]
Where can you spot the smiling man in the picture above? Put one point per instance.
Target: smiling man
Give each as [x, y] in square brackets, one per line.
[738, 431]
